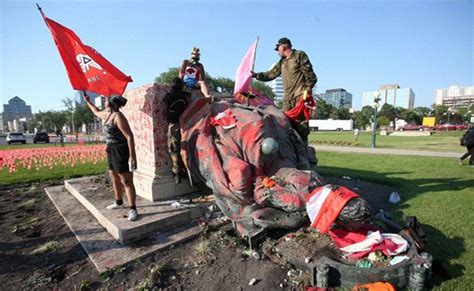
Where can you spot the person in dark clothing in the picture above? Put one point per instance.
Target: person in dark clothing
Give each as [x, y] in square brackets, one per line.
[176, 102]
[121, 154]
[467, 140]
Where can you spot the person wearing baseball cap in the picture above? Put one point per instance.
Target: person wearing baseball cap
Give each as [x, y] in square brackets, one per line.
[298, 78]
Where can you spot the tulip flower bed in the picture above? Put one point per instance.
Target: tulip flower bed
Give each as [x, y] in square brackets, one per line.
[32, 164]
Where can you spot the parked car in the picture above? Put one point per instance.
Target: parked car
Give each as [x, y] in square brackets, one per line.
[446, 127]
[412, 127]
[41, 137]
[14, 137]
[461, 126]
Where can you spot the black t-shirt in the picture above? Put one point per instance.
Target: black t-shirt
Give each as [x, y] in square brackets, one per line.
[176, 103]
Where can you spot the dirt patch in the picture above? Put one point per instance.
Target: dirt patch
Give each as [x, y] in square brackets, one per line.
[38, 251]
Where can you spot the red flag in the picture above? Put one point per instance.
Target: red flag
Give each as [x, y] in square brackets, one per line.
[86, 68]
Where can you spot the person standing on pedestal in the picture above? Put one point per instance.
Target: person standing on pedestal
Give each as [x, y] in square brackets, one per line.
[121, 154]
[298, 79]
[176, 102]
[192, 73]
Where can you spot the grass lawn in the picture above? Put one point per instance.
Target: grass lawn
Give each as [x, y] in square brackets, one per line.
[435, 190]
[59, 172]
[438, 141]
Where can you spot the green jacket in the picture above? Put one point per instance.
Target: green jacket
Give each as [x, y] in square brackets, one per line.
[297, 74]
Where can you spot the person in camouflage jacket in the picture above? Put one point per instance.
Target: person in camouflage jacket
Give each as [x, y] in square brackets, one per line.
[298, 76]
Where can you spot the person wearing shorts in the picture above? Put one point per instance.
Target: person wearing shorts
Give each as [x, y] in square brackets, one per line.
[121, 154]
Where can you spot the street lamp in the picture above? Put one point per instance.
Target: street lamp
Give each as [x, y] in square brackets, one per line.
[449, 114]
[374, 129]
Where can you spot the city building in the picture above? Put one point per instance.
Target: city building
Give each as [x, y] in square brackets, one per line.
[79, 99]
[391, 94]
[454, 96]
[277, 88]
[2, 128]
[338, 98]
[15, 110]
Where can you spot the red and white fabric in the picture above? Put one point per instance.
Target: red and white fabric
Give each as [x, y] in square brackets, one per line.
[224, 119]
[359, 244]
[325, 203]
[302, 107]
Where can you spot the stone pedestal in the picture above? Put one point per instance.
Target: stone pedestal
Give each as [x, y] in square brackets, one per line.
[146, 114]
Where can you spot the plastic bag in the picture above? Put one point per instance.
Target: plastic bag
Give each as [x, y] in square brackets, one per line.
[354, 215]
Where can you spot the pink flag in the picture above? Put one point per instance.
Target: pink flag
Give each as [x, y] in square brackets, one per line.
[243, 77]
[243, 92]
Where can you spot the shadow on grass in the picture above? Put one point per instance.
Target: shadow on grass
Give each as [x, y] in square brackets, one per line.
[416, 186]
[444, 249]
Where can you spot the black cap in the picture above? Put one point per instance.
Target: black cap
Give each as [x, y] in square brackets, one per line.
[283, 40]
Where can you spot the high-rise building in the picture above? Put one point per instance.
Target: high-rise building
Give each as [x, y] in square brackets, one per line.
[2, 128]
[454, 96]
[79, 99]
[277, 88]
[338, 98]
[16, 109]
[391, 94]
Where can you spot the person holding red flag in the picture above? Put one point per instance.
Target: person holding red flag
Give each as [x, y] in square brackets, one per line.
[298, 81]
[121, 154]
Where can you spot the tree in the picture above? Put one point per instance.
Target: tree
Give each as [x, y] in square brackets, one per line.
[53, 120]
[362, 118]
[423, 111]
[343, 113]
[388, 111]
[83, 115]
[69, 104]
[440, 113]
[383, 121]
[263, 88]
[167, 77]
[323, 110]
[411, 116]
[465, 113]
[220, 84]
[34, 122]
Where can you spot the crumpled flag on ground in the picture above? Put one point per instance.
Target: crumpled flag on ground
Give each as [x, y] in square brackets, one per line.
[359, 244]
[229, 161]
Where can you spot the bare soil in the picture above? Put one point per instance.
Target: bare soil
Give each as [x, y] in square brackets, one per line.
[39, 251]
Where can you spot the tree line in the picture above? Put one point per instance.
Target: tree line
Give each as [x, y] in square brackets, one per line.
[220, 84]
[51, 120]
[388, 113]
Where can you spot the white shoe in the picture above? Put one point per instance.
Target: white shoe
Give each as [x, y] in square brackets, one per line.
[132, 215]
[115, 206]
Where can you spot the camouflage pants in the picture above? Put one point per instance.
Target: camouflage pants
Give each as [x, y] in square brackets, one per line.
[174, 147]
